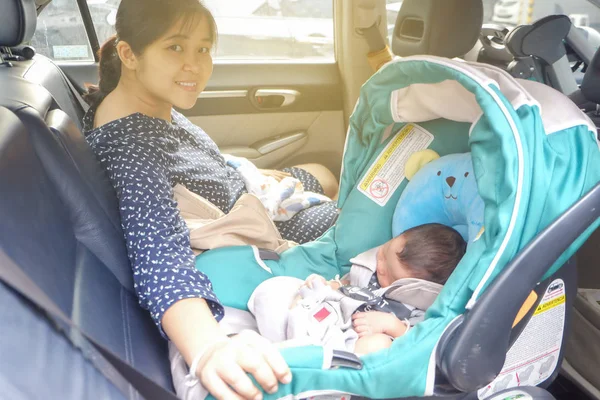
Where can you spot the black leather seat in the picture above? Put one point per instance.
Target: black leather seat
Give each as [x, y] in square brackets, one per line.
[59, 214]
[37, 360]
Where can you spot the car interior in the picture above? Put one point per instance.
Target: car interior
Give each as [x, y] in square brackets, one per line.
[68, 298]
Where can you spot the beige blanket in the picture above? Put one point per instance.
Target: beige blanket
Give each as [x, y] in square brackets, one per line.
[246, 224]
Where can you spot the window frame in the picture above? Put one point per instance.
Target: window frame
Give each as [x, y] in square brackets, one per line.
[90, 30]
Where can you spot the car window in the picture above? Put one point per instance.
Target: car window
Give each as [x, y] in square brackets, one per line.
[274, 29]
[104, 16]
[60, 33]
[517, 12]
[299, 30]
[392, 8]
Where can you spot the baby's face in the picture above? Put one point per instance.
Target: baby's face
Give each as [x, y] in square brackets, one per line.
[389, 267]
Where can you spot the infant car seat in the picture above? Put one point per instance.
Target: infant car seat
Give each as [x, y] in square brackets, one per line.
[498, 326]
[501, 318]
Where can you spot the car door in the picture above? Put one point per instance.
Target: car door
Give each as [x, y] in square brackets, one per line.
[275, 96]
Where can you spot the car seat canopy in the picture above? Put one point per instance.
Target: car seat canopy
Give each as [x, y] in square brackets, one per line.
[505, 123]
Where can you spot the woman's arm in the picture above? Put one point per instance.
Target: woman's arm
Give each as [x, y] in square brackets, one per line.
[190, 325]
[158, 242]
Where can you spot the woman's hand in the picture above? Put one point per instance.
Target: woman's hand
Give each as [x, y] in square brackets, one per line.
[368, 323]
[273, 173]
[222, 370]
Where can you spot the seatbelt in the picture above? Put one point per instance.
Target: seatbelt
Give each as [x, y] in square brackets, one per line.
[366, 23]
[125, 378]
[379, 52]
[82, 103]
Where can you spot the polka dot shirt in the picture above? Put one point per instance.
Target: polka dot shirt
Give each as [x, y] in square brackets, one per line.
[144, 158]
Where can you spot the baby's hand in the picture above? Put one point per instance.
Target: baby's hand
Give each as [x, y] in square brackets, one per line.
[277, 175]
[368, 323]
[314, 278]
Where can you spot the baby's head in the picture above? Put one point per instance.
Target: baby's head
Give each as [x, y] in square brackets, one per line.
[429, 252]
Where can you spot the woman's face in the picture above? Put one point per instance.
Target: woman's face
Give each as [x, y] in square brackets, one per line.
[175, 68]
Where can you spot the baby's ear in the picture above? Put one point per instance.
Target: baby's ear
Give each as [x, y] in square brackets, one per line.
[417, 160]
[381, 269]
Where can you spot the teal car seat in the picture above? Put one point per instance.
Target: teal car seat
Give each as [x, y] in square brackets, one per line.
[497, 328]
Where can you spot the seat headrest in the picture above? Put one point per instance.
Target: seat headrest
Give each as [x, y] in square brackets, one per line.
[445, 28]
[17, 22]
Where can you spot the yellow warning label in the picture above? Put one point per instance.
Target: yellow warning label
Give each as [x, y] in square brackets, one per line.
[384, 157]
[550, 304]
[387, 172]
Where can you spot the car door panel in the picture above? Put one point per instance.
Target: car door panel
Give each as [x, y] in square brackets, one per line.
[232, 88]
[243, 135]
[229, 112]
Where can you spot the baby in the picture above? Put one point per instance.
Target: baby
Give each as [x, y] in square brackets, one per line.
[356, 312]
[429, 252]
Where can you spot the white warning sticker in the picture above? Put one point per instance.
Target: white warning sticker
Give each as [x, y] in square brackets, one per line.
[387, 172]
[534, 355]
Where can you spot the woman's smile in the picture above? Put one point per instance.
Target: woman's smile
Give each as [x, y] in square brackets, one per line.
[189, 86]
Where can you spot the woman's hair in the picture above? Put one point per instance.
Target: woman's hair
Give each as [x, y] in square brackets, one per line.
[432, 251]
[140, 23]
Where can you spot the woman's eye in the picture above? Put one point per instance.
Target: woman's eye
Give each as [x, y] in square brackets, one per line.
[204, 50]
[176, 48]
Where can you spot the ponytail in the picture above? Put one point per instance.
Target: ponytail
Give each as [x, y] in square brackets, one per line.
[110, 73]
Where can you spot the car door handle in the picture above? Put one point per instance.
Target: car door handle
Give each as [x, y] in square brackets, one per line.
[223, 94]
[275, 143]
[275, 98]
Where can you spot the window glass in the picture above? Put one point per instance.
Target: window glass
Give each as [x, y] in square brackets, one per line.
[104, 15]
[392, 8]
[273, 29]
[516, 12]
[248, 29]
[60, 33]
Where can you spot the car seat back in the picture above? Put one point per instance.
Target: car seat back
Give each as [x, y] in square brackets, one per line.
[60, 221]
[38, 361]
[53, 244]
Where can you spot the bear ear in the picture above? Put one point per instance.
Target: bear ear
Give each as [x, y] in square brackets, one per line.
[417, 160]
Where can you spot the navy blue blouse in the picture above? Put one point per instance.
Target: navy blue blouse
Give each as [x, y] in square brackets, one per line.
[145, 158]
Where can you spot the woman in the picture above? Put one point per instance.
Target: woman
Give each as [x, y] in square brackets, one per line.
[160, 58]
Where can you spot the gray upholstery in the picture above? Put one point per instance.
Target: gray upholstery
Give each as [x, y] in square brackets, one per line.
[17, 22]
[445, 28]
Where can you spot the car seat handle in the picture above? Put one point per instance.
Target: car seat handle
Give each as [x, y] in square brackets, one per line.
[478, 340]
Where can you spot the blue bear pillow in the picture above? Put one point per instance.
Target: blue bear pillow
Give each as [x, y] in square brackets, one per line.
[442, 191]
